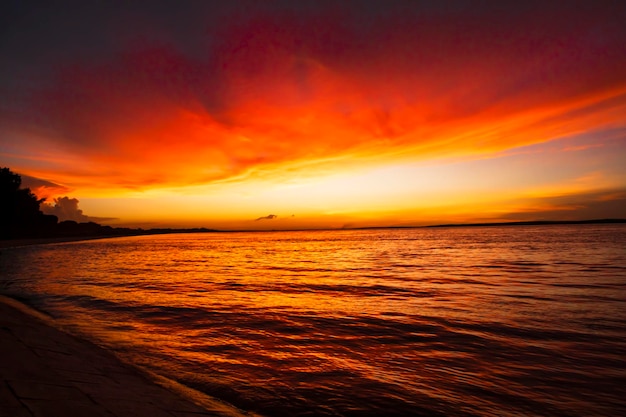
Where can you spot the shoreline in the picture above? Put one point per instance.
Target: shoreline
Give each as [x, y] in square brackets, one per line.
[46, 371]
[16, 243]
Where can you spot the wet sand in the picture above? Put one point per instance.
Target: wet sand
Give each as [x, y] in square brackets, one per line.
[46, 372]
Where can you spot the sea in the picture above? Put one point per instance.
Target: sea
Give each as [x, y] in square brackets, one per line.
[459, 321]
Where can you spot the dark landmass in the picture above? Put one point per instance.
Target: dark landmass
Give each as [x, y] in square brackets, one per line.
[524, 223]
[71, 228]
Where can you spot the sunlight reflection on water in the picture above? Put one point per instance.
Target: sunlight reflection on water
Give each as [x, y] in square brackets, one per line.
[467, 321]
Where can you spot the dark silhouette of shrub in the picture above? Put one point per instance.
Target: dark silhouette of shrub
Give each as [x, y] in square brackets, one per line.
[19, 209]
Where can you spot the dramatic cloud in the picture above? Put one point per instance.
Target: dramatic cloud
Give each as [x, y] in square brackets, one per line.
[142, 101]
[66, 208]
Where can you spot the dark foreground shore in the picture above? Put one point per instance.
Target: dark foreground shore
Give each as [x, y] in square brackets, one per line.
[45, 372]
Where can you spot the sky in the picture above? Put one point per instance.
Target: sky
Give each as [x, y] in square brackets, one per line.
[316, 114]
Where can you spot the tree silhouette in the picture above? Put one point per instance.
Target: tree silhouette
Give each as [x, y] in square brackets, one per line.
[19, 209]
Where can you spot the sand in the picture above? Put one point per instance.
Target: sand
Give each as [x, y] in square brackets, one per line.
[46, 372]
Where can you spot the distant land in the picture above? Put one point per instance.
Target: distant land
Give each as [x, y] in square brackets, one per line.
[71, 231]
[521, 223]
[129, 231]
[532, 223]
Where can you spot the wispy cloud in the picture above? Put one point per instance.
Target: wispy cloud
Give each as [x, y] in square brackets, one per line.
[43, 188]
[268, 217]
[582, 147]
[577, 206]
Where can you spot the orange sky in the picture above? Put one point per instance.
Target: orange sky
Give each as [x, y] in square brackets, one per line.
[324, 116]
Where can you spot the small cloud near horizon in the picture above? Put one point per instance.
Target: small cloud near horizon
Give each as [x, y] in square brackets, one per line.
[268, 217]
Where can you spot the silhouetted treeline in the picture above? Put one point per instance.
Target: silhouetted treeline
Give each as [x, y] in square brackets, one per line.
[21, 217]
[19, 210]
[71, 228]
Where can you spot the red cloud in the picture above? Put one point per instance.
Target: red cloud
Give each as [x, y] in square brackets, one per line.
[271, 87]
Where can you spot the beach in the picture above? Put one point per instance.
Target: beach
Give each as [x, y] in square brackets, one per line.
[46, 372]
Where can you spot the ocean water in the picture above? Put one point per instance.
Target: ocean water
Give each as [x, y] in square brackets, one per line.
[484, 321]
